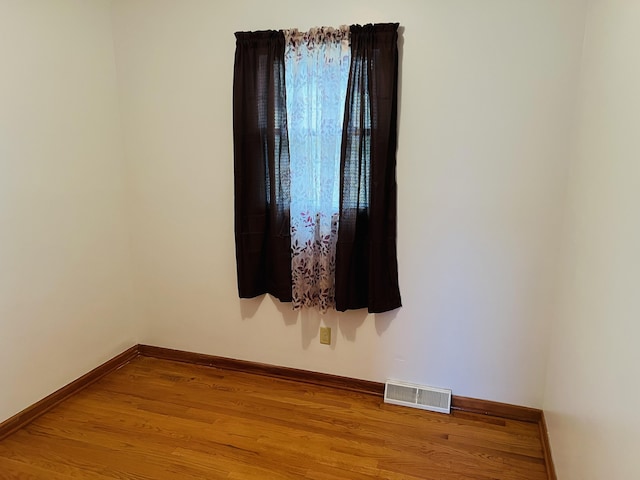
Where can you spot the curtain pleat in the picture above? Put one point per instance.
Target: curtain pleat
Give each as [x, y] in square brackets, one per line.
[261, 164]
[366, 257]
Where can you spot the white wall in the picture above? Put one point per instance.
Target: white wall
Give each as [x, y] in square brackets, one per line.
[594, 382]
[487, 94]
[65, 289]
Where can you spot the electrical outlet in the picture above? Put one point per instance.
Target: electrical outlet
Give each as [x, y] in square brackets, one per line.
[325, 335]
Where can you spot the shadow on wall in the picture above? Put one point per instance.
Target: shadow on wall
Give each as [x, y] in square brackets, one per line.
[249, 306]
[347, 323]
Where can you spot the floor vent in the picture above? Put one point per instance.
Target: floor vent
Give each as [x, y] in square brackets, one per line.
[418, 396]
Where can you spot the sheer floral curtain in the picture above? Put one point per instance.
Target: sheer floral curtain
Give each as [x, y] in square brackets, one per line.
[316, 75]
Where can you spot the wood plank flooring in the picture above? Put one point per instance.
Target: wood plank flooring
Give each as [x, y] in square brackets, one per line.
[158, 419]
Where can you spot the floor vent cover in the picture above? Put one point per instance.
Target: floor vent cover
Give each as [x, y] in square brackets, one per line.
[418, 396]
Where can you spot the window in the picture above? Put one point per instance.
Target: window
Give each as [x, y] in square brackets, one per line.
[314, 158]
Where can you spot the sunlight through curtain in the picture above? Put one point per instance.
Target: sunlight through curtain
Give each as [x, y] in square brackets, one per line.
[316, 75]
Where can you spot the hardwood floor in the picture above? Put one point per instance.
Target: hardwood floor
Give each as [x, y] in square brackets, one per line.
[158, 419]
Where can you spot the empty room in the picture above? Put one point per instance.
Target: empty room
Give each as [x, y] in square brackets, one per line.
[481, 244]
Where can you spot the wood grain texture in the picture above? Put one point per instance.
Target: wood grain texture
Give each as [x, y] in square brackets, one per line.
[161, 419]
[34, 411]
[496, 409]
[466, 404]
[546, 448]
[316, 378]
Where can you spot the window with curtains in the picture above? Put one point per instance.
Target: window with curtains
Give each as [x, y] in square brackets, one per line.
[314, 156]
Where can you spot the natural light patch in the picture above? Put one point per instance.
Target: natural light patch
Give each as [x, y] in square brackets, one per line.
[316, 75]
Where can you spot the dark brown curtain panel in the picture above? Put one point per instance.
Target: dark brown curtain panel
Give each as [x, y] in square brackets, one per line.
[261, 162]
[366, 260]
